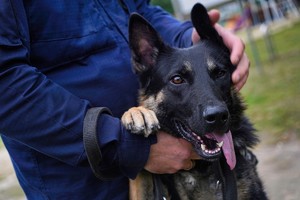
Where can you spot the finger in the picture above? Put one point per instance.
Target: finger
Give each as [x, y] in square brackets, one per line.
[241, 83]
[240, 75]
[214, 16]
[190, 164]
[192, 154]
[195, 36]
[233, 43]
[237, 48]
[195, 156]
[237, 56]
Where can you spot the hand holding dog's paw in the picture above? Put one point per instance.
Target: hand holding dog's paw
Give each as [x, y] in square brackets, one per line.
[140, 120]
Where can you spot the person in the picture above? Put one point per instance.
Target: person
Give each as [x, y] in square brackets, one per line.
[59, 59]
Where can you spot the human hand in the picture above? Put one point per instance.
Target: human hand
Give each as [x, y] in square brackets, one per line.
[170, 154]
[236, 46]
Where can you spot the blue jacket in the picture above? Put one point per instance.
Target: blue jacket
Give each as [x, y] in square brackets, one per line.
[58, 59]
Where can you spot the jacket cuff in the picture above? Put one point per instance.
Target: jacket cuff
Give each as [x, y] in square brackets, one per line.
[124, 153]
[134, 152]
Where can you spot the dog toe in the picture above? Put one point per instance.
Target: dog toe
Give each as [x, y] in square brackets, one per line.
[140, 120]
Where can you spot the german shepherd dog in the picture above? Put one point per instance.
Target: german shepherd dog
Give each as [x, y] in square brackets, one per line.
[189, 93]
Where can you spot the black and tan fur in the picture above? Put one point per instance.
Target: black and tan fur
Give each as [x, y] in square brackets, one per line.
[189, 91]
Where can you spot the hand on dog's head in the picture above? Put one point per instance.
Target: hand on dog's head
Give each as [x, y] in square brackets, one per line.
[146, 43]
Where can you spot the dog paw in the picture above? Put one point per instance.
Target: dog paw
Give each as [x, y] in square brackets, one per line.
[140, 120]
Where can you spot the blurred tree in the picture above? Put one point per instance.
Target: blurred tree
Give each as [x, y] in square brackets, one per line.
[166, 4]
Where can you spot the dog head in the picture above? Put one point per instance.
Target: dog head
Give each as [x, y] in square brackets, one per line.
[190, 89]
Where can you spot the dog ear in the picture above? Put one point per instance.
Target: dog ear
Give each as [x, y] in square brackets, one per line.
[145, 43]
[202, 24]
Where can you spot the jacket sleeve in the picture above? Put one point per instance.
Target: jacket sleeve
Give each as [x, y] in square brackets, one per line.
[34, 110]
[174, 32]
[44, 116]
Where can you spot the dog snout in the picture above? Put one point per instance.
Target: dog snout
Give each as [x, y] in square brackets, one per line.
[216, 118]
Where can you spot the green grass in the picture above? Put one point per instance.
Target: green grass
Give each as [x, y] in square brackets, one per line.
[273, 97]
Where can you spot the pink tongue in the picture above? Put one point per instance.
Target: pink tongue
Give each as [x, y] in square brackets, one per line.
[227, 148]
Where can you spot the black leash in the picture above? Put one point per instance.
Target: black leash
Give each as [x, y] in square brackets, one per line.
[157, 187]
[90, 141]
[227, 177]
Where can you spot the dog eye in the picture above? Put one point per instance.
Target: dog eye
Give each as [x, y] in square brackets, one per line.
[177, 80]
[220, 73]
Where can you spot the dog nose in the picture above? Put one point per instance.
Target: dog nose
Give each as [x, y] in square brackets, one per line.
[216, 118]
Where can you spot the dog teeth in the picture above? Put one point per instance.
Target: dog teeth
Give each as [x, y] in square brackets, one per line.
[209, 151]
[205, 149]
[220, 144]
[197, 137]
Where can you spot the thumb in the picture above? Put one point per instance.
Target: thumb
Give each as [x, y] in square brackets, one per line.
[214, 16]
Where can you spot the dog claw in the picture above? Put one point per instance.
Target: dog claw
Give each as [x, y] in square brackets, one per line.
[140, 120]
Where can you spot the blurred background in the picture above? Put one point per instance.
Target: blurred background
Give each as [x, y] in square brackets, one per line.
[270, 30]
